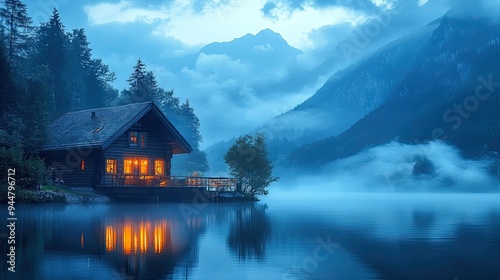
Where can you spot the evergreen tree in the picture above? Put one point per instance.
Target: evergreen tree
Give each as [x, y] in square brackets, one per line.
[36, 116]
[169, 104]
[52, 43]
[6, 84]
[17, 29]
[137, 85]
[190, 125]
[8, 104]
[79, 59]
[100, 92]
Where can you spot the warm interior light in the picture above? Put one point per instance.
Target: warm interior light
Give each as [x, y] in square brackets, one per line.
[143, 237]
[136, 162]
[127, 238]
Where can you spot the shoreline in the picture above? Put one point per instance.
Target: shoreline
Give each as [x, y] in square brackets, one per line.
[58, 194]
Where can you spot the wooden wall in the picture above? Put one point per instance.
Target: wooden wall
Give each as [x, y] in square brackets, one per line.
[156, 148]
[66, 166]
[66, 163]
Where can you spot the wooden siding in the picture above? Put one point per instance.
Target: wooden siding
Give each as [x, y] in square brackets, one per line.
[65, 166]
[156, 148]
[66, 163]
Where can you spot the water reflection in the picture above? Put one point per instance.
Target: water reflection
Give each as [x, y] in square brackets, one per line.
[382, 237]
[249, 232]
[138, 237]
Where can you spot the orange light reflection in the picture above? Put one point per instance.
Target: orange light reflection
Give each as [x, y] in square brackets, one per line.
[135, 238]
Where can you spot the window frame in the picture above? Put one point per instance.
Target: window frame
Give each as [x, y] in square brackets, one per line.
[141, 165]
[133, 135]
[125, 166]
[114, 165]
[162, 167]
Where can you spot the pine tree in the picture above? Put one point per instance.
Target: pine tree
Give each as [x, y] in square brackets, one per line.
[79, 59]
[100, 92]
[142, 86]
[52, 44]
[135, 92]
[169, 104]
[36, 116]
[17, 28]
[190, 125]
[7, 90]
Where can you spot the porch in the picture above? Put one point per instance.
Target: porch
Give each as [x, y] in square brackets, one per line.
[213, 184]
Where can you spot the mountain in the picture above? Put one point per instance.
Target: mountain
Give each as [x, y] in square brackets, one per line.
[438, 98]
[345, 98]
[350, 94]
[266, 50]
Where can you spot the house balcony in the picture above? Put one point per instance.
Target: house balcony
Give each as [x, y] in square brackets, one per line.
[209, 183]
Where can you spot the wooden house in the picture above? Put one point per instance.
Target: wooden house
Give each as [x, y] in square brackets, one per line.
[130, 145]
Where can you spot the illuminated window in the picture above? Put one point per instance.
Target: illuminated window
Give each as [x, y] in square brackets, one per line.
[111, 166]
[127, 166]
[132, 138]
[82, 165]
[143, 140]
[159, 167]
[144, 167]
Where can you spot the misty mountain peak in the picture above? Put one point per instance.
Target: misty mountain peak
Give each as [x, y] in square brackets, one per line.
[266, 48]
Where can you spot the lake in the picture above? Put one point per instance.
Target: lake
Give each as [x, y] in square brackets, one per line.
[296, 236]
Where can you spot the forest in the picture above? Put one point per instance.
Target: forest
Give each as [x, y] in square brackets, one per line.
[47, 71]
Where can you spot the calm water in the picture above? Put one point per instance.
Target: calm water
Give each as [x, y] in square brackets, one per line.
[340, 236]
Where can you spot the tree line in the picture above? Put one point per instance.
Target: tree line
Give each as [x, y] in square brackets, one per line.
[47, 71]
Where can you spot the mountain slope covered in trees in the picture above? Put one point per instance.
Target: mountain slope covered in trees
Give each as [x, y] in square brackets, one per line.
[449, 94]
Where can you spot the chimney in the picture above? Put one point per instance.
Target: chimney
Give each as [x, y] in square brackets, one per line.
[93, 115]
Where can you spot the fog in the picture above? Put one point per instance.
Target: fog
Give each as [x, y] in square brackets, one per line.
[397, 167]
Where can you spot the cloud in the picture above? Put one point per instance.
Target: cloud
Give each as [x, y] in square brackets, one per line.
[226, 95]
[215, 21]
[231, 95]
[122, 12]
[263, 48]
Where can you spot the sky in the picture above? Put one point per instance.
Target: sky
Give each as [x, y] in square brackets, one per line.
[235, 92]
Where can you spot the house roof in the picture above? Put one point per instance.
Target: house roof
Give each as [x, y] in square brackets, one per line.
[79, 129]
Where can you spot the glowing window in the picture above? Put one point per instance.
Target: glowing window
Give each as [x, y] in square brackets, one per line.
[127, 166]
[111, 166]
[132, 138]
[159, 167]
[82, 165]
[144, 167]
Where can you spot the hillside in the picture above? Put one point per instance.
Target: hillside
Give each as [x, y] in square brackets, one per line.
[436, 99]
[346, 97]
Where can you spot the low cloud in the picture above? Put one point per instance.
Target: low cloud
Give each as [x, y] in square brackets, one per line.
[217, 21]
[232, 96]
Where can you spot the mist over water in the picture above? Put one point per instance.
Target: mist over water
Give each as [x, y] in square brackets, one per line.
[430, 167]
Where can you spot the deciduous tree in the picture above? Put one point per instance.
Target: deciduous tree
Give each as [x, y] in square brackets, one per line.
[248, 160]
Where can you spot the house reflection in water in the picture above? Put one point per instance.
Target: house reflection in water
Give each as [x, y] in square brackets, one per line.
[149, 248]
[143, 237]
[140, 245]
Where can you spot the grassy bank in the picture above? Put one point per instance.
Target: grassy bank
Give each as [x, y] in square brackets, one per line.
[53, 194]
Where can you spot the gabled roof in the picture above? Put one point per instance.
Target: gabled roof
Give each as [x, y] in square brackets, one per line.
[79, 129]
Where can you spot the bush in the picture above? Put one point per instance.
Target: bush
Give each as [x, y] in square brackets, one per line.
[29, 171]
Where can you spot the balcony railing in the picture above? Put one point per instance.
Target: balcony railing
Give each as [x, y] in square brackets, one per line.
[210, 183]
